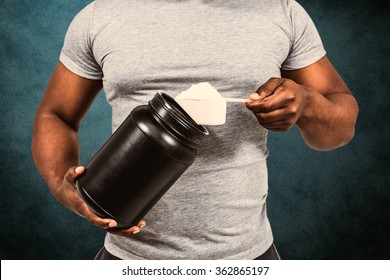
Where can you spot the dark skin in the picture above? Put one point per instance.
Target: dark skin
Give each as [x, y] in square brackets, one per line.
[55, 143]
[314, 98]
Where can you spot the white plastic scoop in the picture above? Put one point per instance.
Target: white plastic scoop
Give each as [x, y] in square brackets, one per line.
[204, 104]
[226, 99]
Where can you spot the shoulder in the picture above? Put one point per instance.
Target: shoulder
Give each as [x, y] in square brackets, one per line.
[86, 12]
[108, 6]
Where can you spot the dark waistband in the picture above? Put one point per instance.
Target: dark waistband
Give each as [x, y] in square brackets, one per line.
[270, 254]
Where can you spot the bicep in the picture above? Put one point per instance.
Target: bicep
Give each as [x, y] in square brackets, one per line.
[321, 76]
[68, 96]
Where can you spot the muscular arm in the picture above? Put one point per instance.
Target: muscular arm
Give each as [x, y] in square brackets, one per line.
[314, 98]
[328, 120]
[55, 145]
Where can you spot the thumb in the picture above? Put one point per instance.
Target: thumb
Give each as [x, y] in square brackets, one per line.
[268, 89]
[79, 170]
[73, 172]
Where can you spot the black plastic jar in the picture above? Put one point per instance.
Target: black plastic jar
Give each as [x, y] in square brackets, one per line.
[140, 161]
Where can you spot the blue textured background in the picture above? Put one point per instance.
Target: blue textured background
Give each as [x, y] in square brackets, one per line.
[333, 205]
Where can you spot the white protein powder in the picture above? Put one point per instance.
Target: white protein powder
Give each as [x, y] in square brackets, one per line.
[201, 91]
[204, 104]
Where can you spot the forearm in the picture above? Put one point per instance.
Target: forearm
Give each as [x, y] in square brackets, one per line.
[55, 148]
[328, 121]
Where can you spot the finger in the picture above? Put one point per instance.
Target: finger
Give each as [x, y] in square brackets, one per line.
[275, 102]
[73, 172]
[99, 221]
[79, 170]
[267, 89]
[142, 224]
[128, 231]
[81, 208]
[124, 232]
[274, 116]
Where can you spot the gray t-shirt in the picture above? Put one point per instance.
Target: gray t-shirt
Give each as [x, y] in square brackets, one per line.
[217, 209]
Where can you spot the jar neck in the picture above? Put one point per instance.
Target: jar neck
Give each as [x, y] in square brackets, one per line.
[176, 120]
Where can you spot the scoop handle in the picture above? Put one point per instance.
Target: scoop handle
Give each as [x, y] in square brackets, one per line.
[226, 99]
[236, 99]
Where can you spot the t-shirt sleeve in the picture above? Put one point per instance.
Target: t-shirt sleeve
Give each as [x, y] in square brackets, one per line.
[77, 54]
[306, 44]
